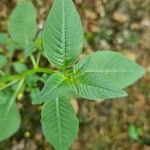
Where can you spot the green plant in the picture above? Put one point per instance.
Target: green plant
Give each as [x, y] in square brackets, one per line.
[133, 132]
[100, 75]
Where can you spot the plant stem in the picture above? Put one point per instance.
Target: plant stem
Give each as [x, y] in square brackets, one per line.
[38, 59]
[14, 96]
[33, 61]
[25, 74]
[8, 84]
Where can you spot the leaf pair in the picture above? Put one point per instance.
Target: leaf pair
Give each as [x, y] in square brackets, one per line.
[101, 75]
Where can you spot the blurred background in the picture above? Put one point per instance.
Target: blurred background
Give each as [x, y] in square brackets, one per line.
[118, 124]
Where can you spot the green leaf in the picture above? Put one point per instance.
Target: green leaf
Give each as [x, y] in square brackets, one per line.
[30, 49]
[33, 93]
[3, 61]
[3, 97]
[9, 114]
[31, 80]
[56, 85]
[3, 39]
[59, 123]
[19, 67]
[113, 66]
[39, 41]
[22, 24]
[44, 77]
[9, 119]
[13, 46]
[94, 86]
[133, 132]
[63, 34]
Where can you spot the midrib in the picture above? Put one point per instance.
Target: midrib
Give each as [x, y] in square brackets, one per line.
[59, 123]
[64, 35]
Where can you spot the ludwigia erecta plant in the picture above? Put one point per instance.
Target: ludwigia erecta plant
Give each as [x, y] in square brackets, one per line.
[100, 75]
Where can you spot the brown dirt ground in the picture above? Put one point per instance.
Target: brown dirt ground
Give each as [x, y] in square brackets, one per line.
[120, 25]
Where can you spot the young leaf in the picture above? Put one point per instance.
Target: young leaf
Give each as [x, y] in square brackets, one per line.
[59, 123]
[13, 46]
[19, 67]
[113, 66]
[30, 49]
[63, 34]
[56, 86]
[133, 132]
[95, 86]
[31, 80]
[39, 41]
[3, 61]
[9, 120]
[33, 93]
[22, 24]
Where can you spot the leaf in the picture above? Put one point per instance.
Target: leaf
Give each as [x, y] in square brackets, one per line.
[3, 97]
[9, 114]
[133, 132]
[3, 39]
[63, 34]
[33, 93]
[30, 49]
[113, 66]
[3, 61]
[22, 24]
[59, 123]
[55, 86]
[9, 120]
[44, 77]
[31, 80]
[19, 67]
[13, 46]
[39, 41]
[95, 86]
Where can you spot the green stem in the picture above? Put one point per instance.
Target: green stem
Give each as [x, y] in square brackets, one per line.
[8, 84]
[14, 96]
[25, 74]
[38, 59]
[33, 61]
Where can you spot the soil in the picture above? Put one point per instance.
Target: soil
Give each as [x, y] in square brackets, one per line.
[119, 25]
